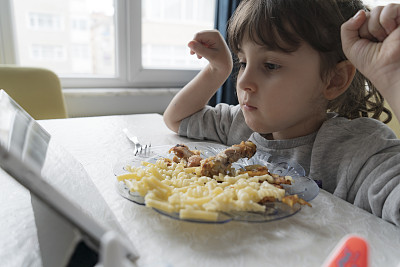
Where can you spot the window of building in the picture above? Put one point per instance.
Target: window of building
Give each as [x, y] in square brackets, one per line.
[44, 22]
[47, 53]
[106, 43]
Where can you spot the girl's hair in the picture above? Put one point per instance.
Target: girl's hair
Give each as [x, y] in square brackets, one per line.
[283, 24]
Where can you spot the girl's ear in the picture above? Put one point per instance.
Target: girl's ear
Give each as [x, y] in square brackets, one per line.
[340, 80]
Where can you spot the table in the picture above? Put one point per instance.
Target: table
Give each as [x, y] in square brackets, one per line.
[305, 239]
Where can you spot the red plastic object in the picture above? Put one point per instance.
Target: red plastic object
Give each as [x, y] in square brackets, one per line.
[352, 251]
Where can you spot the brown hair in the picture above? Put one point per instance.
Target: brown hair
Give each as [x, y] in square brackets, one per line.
[283, 24]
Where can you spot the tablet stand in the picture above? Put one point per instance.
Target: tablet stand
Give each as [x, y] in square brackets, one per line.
[58, 239]
[62, 244]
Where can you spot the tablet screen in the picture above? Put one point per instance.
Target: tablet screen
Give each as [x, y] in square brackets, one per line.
[29, 155]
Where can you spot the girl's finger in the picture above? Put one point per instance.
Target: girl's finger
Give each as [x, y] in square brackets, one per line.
[390, 18]
[374, 25]
[350, 30]
[197, 48]
[363, 32]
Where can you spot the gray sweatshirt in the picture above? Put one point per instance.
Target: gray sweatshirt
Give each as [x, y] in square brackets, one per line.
[357, 160]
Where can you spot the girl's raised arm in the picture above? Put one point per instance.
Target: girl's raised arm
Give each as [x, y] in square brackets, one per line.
[371, 41]
[196, 94]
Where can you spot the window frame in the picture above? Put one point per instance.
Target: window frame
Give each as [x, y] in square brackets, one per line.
[7, 42]
[129, 71]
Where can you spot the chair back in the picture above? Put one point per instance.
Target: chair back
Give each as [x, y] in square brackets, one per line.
[37, 90]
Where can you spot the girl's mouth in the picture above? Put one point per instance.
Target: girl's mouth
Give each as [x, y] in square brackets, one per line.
[248, 107]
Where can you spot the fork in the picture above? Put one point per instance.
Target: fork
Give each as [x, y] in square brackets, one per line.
[141, 150]
[144, 150]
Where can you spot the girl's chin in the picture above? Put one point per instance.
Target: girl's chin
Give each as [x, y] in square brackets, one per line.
[256, 127]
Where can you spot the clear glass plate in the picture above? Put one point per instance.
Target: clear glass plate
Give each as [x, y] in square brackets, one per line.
[303, 186]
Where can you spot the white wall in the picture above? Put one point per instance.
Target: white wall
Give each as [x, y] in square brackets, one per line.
[100, 102]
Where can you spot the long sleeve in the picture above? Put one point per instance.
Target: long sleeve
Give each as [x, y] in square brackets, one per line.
[359, 161]
[223, 123]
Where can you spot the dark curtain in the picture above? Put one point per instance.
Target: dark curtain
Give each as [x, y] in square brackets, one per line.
[223, 11]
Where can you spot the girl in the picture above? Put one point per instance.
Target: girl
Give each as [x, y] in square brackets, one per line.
[301, 96]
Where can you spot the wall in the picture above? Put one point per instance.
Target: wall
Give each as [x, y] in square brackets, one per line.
[100, 102]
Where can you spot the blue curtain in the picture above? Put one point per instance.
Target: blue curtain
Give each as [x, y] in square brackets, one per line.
[223, 11]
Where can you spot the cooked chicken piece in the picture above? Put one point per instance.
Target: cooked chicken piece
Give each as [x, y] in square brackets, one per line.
[222, 162]
[280, 179]
[168, 161]
[191, 158]
[194, 161]
[259, 170]
[183, 152]
[255, 170]
[293, 199]
[290, 200]
[266, 200]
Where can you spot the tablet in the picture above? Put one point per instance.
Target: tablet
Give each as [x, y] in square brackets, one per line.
[71, 216]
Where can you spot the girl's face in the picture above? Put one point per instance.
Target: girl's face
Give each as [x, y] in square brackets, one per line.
[281, 93]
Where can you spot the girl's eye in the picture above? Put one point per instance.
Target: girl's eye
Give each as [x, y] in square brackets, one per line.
[268, 66]
[242, 65]
[271, 66]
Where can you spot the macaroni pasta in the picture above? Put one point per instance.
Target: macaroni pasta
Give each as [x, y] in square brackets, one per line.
[171, 187]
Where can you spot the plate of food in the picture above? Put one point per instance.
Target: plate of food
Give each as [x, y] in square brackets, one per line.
[212, 183]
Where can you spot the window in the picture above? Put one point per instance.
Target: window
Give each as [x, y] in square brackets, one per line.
[47, 53]
[44, 22]
[163, 41]
[80, 24]
[374, 3]
[106, 43]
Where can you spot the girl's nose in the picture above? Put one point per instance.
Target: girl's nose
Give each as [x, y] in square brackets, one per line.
[246, 81]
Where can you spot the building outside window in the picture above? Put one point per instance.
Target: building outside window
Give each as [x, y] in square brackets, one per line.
[117, 41]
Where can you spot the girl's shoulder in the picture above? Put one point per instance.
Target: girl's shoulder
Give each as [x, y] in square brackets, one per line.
[357, 127]
[223, 107]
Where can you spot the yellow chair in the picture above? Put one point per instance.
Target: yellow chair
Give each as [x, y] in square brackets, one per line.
[36, 90]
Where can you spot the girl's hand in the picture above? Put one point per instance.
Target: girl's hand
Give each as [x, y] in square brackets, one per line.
[212, 46]
[195, 95]
[371, 41]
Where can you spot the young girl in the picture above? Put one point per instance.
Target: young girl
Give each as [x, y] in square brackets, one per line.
[301, 96]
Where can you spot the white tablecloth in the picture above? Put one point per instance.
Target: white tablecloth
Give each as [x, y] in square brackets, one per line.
[305, 239]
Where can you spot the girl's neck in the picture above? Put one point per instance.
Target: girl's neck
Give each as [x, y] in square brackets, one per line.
[270, 136]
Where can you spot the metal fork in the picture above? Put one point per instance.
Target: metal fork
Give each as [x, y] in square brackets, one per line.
[140, 150]
[144, 150]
